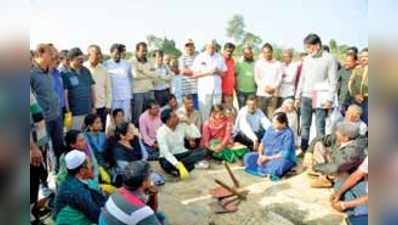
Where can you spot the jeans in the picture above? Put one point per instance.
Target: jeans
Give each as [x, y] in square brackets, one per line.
[242, 97]
[306, 119]
[364, 106]
[269, 104]
[153, 154]
[55, 130]
[189, 159]
[357, 220]
[139, 103]
[357, 191]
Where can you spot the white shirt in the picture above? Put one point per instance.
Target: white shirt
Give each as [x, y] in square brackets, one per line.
[288, 79]
[205, 62]
[121, 79]
[248, 123]
[267, 73]
[171, 142]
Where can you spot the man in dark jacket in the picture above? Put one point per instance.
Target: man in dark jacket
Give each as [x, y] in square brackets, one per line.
[337, 154]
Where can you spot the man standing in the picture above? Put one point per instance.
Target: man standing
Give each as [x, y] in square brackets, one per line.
[162, 85]
[268, 76]
[119, 71]
[246, 85]
[358, 85]
[228, 79]
[316, 88]
[189, 84]
[103, 89]
[64, 61]
[343, 76]
[41, 82]
[289, 69]
[144, 73]
[79, 89]
[209, 67]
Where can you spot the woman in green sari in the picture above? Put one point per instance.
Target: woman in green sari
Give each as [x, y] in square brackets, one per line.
[217, 136]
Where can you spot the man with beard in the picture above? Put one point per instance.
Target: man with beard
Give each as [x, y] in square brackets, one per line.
[119, 71]
[144, 73]
[245, 84]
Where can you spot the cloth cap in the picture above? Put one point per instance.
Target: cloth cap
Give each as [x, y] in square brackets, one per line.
[74, 159]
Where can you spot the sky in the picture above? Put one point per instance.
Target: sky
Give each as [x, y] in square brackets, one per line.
[77, 23]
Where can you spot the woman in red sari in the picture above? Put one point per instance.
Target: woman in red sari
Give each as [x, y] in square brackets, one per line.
[217, 136]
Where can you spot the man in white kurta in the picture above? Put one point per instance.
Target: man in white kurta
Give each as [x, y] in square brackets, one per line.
[208, 67]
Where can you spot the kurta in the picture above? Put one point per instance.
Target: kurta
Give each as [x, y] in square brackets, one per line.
[275, 143]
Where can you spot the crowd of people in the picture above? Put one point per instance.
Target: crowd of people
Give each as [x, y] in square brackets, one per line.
[96, 123]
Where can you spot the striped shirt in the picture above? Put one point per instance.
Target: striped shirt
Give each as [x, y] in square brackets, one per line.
[188, 85]
[126, 207]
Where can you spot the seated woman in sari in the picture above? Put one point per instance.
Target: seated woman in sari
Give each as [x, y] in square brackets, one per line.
[217, 136]
[276, 153]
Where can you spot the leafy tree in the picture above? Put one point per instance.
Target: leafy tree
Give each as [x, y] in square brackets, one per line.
[168, 46]
[333, 45]
[236, 28]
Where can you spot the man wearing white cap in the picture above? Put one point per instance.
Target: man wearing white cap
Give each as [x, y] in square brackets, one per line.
[208, 67]
[76, 201]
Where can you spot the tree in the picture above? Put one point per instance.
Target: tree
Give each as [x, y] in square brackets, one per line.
[236, 28]
[250, 39]
[168, 46]
[333, 45]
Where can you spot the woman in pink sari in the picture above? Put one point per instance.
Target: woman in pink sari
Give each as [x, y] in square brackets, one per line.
[217, 136]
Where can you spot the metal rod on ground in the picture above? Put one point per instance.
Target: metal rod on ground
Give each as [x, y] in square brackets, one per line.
[236, 182]
[222, 184]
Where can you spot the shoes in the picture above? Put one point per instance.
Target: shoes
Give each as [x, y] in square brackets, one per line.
[204, 164]
[312, 173]
[321, 182]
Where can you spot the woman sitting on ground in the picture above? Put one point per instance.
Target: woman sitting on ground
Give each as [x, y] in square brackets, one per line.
[276, 153]
[125, 148]
[217, 136]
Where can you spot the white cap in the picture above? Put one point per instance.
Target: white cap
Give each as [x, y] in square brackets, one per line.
[188, 41]
[74, 159]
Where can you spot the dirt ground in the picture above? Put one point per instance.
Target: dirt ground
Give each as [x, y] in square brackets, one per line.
[287, 202]
[290, 201]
